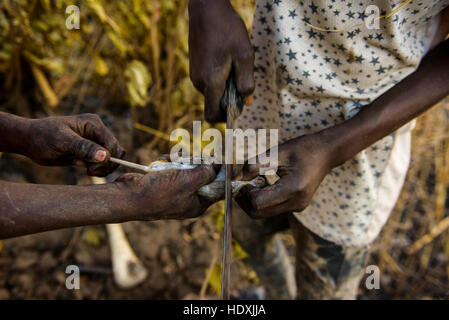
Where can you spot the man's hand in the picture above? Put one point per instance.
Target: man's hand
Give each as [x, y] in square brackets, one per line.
[303, 164]
[219, 43]
[170, 194]
[81, 140]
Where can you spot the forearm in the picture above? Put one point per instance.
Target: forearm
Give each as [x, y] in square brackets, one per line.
[199, 10]
[204, 10]
[206, 2]
[408, 99]
[30, 208]
[13, 131]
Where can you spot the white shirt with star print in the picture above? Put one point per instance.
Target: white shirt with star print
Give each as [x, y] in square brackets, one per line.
[308, 79]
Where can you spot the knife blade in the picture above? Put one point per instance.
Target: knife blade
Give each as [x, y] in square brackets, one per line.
[232, 104]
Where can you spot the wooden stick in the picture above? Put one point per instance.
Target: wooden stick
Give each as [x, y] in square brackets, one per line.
[130, 164]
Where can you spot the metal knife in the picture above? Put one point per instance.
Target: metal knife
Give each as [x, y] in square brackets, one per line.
[232, 104]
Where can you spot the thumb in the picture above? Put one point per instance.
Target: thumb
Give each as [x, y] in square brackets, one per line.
[201, 175]
[88, 151]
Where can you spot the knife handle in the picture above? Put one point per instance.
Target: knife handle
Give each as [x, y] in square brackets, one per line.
[231, 98]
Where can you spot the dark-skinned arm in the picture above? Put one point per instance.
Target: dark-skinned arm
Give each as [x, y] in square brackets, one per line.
[31, 208]
[401, 104]
[172, 194]
[306, 160]
[12, 132]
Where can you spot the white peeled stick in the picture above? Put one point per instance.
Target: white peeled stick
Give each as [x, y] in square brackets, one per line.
[127, 269]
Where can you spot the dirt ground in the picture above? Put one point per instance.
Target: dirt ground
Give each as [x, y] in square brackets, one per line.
[33, 267]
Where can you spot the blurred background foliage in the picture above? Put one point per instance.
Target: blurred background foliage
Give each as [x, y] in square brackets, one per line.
[131, 53]
[132, 56]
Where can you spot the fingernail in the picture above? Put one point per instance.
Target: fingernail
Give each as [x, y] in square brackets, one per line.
[100, 156]
[248, 100]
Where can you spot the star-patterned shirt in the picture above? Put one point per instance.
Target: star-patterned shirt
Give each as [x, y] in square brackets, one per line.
[309, 79]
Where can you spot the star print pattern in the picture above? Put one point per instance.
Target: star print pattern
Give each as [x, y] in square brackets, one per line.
[308, 80]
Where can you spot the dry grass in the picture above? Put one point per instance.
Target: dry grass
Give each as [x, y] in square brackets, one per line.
[119, 44]
[413, 249]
